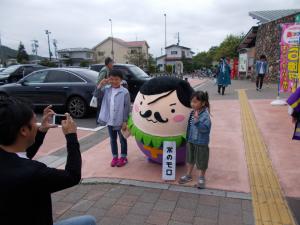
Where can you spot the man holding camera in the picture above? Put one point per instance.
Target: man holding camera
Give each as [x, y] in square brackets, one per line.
[25, 184]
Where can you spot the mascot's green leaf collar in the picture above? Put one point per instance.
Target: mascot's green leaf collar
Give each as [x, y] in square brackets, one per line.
[150, 140]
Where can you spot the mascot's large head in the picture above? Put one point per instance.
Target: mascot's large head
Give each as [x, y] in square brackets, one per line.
[161, 111]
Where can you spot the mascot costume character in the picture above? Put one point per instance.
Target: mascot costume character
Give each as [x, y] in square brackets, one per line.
[160, 113]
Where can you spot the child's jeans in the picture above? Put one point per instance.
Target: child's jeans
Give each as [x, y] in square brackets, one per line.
[113, 142]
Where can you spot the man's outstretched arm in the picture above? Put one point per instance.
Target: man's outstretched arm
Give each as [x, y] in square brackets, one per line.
[39, 138]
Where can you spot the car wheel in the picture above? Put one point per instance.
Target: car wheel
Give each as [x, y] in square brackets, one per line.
[77, 107]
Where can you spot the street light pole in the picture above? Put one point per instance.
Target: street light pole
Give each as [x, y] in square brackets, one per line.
[112, 40]
[1, 58]
[165, 30]
[48, 33]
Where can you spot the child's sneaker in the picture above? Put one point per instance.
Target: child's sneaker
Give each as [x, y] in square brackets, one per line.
[114, 162]
[122, 161]
[185, 179]
[201, 183]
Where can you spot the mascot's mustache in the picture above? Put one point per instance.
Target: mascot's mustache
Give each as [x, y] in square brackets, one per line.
[157, 116]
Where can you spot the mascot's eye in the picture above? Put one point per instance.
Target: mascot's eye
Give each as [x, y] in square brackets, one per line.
[173, 110]
[141, 103]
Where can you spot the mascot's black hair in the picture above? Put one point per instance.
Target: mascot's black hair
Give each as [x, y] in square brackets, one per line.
[163, 84]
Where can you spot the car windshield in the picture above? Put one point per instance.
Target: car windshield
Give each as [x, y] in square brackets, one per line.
[138, 72]
[11, 69]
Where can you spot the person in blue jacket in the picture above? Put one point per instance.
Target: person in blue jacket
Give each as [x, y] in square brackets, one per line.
[223, 75]
[261, 68]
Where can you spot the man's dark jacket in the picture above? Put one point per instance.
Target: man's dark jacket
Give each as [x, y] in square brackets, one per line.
[26, 185]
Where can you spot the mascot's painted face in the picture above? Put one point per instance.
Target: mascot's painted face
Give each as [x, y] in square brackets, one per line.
[160, 114]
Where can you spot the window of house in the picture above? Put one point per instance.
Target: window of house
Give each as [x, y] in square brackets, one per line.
[173, 52]
[101, 53]
[133, 51]
[183, 54]
[88, 55]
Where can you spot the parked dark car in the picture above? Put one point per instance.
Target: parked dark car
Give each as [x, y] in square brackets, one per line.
[134, 76]
[71, 88]
[96, 67]
[16, 72]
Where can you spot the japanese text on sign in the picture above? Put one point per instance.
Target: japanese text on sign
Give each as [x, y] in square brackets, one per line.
[289, 58]
[169, 160]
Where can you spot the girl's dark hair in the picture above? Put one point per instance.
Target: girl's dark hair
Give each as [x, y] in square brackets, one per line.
[203, 97]
[163, 84]
[14, 114]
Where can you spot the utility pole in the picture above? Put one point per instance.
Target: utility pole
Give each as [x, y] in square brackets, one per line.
[165, 31]
[48, 33]
[55, 47]
[178, 40]
[35, 45]
[112, 40]
[1, 58]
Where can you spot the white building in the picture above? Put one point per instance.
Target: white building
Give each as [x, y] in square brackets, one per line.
[74, 56]
[174, 56]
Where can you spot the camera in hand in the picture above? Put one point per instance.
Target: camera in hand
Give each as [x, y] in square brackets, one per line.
[57, 118]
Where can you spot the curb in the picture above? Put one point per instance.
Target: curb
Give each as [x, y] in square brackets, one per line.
[170, 187]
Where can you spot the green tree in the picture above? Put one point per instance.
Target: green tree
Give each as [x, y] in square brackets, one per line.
[169, 69]
[202, 59]
[22, 56]
[212, 52]
[46, 62]
[84, 63]
[188, 66]
[228, 47]
[136, 57]
[151, 64]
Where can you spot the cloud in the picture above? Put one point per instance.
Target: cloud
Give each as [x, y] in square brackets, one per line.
[77, 23]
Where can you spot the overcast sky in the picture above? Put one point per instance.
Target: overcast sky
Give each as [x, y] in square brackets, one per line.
[85, 23]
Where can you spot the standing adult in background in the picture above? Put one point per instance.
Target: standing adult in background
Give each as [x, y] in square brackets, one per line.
[223, 75]
[261, 68]
[103, 74]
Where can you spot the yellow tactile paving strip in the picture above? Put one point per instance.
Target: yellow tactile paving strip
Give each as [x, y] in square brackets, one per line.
[269, 204]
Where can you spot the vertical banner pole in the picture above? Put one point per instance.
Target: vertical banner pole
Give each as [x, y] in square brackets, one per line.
[278, 101]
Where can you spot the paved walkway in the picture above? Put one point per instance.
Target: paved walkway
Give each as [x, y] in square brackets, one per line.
[222, 174]
[113, 204]
[269, 204]
[242, 128]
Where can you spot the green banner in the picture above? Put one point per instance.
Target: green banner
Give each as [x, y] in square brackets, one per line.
[297, 18]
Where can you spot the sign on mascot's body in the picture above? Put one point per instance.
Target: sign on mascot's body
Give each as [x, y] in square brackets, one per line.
[160, 113]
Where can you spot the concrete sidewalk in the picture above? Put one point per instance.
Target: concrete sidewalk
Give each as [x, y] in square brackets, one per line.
[227, 178]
